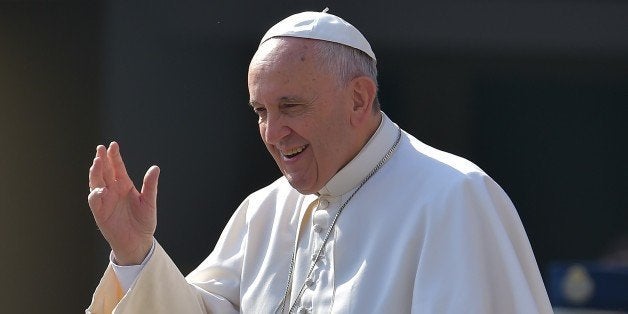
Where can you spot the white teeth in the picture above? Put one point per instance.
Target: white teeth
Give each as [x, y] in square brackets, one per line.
[293, 151]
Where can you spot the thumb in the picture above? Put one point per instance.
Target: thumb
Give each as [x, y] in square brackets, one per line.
[149, 187]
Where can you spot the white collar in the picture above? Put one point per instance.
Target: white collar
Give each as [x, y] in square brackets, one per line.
[359, 167]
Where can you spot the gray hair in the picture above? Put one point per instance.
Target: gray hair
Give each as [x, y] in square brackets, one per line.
[347, 63]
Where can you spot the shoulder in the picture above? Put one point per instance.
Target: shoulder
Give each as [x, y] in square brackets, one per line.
[420, 163]
[430, 176]
[438, 160]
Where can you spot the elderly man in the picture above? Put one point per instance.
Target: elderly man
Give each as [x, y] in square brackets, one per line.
[366, 218]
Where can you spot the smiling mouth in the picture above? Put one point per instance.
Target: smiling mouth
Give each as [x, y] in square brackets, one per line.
[293, 152]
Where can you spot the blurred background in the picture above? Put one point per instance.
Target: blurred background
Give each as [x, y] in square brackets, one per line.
[534, 92]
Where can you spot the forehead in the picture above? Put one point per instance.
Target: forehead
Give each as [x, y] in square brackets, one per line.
[288, 67]
[285, 59]
[284, 51]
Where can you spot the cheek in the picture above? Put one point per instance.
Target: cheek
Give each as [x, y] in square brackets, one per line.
[335, 139]
[269, 147]
[262, 131]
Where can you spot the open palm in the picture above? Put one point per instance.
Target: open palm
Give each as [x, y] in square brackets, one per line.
[126, 217]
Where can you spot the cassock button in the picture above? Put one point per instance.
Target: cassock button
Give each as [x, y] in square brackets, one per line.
[318, 262]
[318, 228]
[309, 282]
[314, 255]
[323, 204]
[302, 310]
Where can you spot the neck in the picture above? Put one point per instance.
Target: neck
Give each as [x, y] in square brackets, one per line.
[371, 126]
[364, 134]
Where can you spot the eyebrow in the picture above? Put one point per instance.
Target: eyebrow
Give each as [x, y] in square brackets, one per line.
[290, 99]
[283, 99]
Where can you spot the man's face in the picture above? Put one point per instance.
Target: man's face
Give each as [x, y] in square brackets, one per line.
[303, 113]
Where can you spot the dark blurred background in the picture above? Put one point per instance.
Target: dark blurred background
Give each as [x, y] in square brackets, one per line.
[534, 92]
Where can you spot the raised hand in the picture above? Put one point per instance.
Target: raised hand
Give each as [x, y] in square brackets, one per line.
[126, 217]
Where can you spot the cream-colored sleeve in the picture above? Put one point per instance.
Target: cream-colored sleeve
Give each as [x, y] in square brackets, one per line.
[107, 294]
[159, 288]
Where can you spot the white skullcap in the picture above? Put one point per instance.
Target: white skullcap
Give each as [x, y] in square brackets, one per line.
[321, 26]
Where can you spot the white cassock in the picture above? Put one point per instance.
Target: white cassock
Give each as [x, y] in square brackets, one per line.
[428, 233]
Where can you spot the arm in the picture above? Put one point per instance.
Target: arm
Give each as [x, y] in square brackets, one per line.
[159, 288]
[127, 219]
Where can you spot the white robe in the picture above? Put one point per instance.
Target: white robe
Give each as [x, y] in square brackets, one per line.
[429, 233]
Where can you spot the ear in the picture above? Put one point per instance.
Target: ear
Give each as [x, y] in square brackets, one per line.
[363, 94]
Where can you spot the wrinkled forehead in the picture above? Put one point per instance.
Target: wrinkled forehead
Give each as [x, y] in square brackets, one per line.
[283, 50]
[281, 64]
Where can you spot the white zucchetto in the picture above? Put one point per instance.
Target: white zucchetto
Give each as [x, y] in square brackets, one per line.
[320, 26]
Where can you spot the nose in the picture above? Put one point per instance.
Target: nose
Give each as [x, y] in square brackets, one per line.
[274, 129]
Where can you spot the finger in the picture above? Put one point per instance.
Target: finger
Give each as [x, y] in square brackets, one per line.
[95, 171]
[99, 150]
[94, 199]
[149, 187]
[108, 175]
[95, 174]
[117, 164]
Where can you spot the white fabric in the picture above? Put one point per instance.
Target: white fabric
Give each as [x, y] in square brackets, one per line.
[321, 26]
[429, 233]
[127, 274]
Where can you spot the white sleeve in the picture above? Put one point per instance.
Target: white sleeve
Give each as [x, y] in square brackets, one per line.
[157, 286]
[127, 274]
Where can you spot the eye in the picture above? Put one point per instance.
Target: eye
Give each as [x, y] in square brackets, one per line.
[290, 107]
[259, 110]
